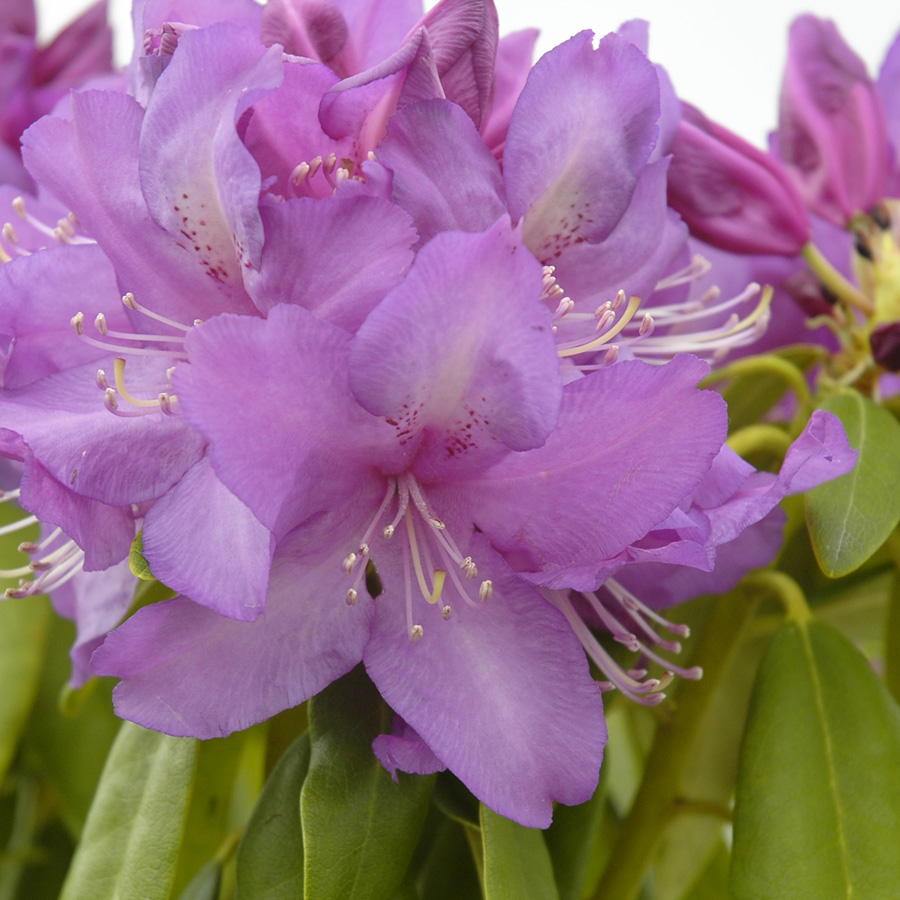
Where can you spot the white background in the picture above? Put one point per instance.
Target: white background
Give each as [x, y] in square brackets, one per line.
[724, 57]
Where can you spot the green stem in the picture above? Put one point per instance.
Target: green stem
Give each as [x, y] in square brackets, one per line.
[760, 439]
[658, 798]
[892, 630]
[24, 826]
[834, 281]
[764, 364]
[788, 592]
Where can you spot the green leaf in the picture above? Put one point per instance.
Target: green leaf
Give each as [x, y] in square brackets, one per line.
[69, 749]
[133, 831]
[818, 799]
[455, 800]
[359, 828]
[571, 841]
[205, 884]
[270, 855]
[516, 860]
[23, 633]
[850, 517]
[209, 815]
[448, 871]
[140, 568]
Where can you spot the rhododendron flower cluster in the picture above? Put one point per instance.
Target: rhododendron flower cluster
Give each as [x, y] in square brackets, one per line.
[406, 373]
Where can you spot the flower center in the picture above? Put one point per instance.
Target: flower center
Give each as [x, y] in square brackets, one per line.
[164, 347]
[430, 555]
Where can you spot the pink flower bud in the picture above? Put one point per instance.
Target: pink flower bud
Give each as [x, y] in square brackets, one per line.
[731, 194]
[832, 134]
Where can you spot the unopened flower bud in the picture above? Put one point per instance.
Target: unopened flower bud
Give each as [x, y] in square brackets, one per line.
[731, 194]
[832, 134]
[885, 343]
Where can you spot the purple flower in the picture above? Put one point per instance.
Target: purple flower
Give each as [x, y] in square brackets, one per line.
[432, 422]
[336, 402]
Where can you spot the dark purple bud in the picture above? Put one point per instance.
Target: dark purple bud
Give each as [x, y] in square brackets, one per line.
[731, 194]
[832, 134]
[809, 293]
[885, 343]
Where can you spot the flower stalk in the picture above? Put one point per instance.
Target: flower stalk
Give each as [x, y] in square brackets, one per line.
[658, 801]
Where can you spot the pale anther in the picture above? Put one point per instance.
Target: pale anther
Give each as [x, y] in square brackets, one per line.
[102, 381]
[10, 233]
[300, 172]
[352, 597]
[18, 206]
[445, 612]
[388, 532]
[349, 562]
[416, 633]
[486, 590]
[129, 301]
[77, 322]
[100, 323]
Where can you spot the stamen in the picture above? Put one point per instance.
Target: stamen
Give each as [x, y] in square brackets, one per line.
[486, 590]
[130, 303]
[77, 323]
[62, 232]
[18, 525]
[698, 267]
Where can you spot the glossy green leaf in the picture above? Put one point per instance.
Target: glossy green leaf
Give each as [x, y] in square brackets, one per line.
[140, 568]
[571, 840]
[23, 633]
[448, 870]
[208, 820]
[131, 838]
[455, 800]
[205, 884]
[359, 827]
[850, 517]
[516, 860]
[270, 855]
[818, 800]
